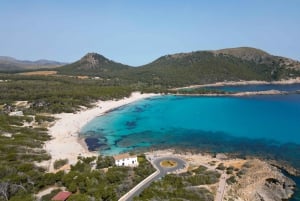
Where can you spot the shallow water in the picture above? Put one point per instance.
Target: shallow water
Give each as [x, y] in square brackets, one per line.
[263, 126]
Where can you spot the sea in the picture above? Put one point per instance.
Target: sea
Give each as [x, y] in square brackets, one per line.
[265, 126]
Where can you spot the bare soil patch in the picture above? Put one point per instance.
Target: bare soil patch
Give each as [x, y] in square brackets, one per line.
[39, 73]
[168, 163]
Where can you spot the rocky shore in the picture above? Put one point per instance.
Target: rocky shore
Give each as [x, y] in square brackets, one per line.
[246, 179]
[260, 181]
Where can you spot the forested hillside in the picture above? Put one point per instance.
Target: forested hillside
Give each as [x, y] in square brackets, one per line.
[190, 68]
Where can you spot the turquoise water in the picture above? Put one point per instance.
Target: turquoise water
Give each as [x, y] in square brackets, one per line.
[230, 124]
[263, 126]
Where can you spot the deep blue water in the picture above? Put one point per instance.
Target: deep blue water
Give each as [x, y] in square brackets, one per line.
[257, 87]
[263, 126]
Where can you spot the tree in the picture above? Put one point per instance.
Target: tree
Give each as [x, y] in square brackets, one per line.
[8, 189]
[59, 163]
[78, 197]
[104, 162]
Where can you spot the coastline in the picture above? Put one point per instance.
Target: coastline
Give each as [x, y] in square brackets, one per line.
[234, 83]
[251, 175]
[65, 142]
[247, 93]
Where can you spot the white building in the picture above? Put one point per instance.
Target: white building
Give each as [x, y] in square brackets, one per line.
[126, 160]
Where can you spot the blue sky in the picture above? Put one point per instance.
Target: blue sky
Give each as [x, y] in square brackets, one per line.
[136, 32]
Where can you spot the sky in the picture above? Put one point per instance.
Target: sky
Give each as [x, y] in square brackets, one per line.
[136, 32]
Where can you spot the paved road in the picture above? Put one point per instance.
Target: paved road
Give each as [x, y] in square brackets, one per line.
[160, 172]
[221, 187]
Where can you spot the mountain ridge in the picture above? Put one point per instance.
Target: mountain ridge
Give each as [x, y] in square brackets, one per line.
[12, 64]
[198, 67]
[181, 69]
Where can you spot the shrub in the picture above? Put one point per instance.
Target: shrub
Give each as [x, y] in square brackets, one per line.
[105, 161]
[59, 163]
[221, 166]
[231, 180]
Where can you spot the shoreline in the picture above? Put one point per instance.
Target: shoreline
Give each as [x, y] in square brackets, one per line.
[66, 143]
[236, 83]
[253, 178]
[239, 94]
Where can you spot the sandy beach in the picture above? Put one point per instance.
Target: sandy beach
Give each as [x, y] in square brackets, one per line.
[65, 143]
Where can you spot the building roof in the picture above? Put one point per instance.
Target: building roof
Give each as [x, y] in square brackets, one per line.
[123, 156]
[62, 196]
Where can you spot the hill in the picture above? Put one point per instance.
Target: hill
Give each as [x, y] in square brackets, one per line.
[9, 64]
[202, 67]
[93, 64]
[198, 67]
[259, 56]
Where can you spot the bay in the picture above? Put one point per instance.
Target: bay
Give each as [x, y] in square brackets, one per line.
[259, 125]
[266, 126]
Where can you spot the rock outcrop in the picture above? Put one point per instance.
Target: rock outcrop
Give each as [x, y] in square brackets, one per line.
[260, 181]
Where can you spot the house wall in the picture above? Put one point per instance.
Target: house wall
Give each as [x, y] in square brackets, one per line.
[132, 162]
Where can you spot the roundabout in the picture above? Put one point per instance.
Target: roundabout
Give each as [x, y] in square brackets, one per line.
[163, 166]
[168, 163]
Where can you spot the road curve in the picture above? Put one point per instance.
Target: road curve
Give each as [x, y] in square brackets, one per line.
[159, 173]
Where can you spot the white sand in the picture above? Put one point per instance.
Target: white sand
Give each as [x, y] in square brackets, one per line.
[65, 143]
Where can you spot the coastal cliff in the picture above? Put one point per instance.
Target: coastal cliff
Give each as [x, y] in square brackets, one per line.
[260, 181]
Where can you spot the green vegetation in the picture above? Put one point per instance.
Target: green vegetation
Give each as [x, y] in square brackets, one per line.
[231, 180]
[104, 162]
[50, 195]
[229, 170]
[82, 180]
[182, 186]
[57, 94]
[179, 70]
[20, 178]
[59, 163]
[143, 170]
[42, 118]
[97, 184]
[201, 176]
[199, 91]
[221, 166]
[97, 178]
[94, 65]
[20, 148]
